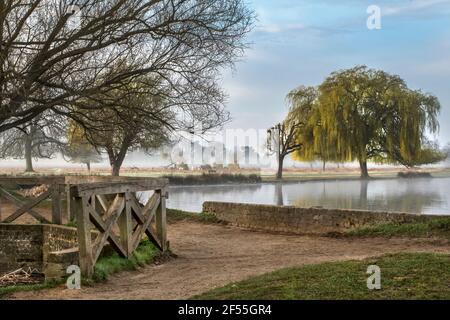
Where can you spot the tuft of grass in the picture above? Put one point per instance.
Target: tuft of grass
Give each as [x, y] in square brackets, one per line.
[72, 224]
[144, 254]
[419, 276]
[439, 227]
[213, 179]
[174, 216]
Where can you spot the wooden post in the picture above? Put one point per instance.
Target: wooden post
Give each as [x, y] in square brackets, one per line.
[56, 205]
[125, 226]
[71, 212]
[84, 235]
[0, 208]
[161, 227]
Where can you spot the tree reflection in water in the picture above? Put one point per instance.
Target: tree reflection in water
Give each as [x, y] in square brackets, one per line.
[413, 195]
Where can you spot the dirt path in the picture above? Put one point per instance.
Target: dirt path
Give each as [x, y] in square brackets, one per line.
[211, 255]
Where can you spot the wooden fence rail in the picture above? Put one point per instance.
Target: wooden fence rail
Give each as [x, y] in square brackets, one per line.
[54, 193]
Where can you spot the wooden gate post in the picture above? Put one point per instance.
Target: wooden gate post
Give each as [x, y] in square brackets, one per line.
[84, 235]
[69, 204]
[56, 204]
[161, 222]
[125, 226]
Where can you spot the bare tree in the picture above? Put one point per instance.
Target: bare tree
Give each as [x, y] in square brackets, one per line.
[56, 55]
[141, 119]
[145, 113]
[283, 141]
[42, 137]
[284, 138]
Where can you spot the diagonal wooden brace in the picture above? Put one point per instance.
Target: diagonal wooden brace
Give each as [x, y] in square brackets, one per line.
[24, 207]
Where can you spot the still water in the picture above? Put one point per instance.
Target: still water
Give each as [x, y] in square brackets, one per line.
[427, 196]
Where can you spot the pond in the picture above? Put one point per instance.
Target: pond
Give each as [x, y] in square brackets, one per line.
[426, 196]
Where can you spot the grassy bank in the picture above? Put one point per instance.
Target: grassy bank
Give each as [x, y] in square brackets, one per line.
[105, 266]
[438, 228]
[174, 216]
[212, 179]
[403, 276]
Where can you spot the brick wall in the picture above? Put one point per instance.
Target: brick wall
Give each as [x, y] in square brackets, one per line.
[303, 220]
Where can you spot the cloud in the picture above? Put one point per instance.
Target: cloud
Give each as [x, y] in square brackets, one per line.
[302, 41]
[414, 6]
[277, 28]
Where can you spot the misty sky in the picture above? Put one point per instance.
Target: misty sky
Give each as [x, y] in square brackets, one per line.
[299, 42]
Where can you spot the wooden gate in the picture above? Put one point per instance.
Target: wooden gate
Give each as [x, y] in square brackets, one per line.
[106, 210]
[114, 211]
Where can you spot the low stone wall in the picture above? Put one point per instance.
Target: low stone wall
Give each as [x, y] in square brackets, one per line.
[20, 245]
[303, 220]
[47, 248]
[60, 250]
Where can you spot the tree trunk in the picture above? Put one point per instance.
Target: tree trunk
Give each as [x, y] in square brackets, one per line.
[324, 167]
[363, 194]
[364, 171]
[116, 158]
[115, 170]
[279, 194]
[116, 164]
[28, 153]
[88, 165]
[280, 168]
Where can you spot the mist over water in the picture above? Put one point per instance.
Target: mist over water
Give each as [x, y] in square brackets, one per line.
[425, 196]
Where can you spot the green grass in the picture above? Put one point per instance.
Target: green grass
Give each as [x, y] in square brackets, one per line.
[439, 227]
[403, 276]
[174, 216]
[32, 287]
[105, 266]
[144, 254]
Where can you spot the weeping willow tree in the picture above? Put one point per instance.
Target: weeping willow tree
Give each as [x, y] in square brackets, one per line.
[364, 114]
[316, 145]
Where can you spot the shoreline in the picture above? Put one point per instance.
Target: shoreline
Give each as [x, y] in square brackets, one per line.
[245, 177]
[306, 179]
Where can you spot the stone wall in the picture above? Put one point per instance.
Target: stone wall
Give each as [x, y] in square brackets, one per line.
[47, 248]
[303, 220]
[57, 238]
[20, 246]
[60, 250]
